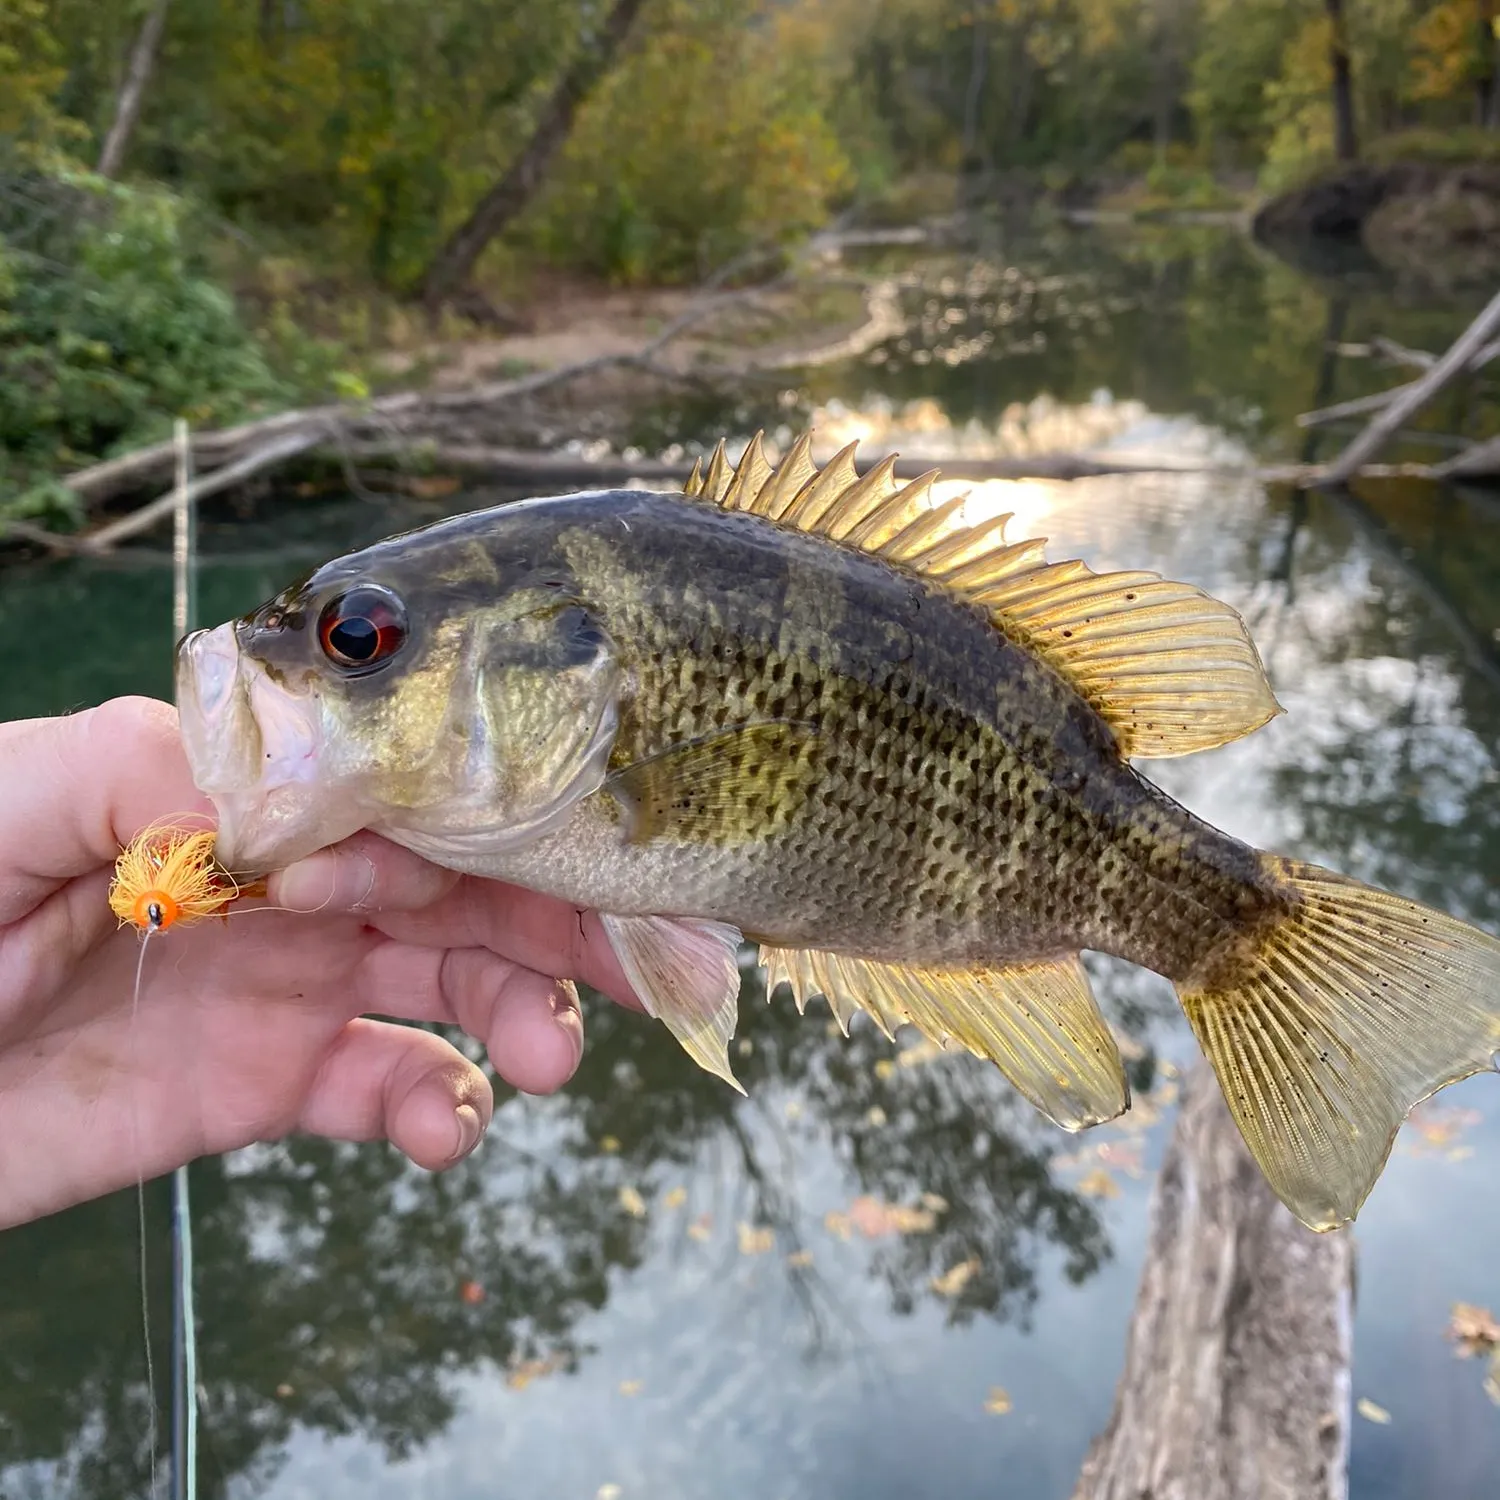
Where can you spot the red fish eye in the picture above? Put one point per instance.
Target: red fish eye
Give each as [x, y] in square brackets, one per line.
[361, 629]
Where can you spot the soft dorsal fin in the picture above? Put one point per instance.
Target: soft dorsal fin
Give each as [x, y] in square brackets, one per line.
[1170, 669]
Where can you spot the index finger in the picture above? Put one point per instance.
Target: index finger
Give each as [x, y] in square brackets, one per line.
[409, 899]
[74, 790]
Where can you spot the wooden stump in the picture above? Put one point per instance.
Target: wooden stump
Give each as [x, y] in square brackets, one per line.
[1236, 1383]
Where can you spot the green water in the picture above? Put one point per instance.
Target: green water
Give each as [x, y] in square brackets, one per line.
[512, 1328]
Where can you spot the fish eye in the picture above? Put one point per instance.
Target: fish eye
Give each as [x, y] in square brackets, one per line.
[362, 629]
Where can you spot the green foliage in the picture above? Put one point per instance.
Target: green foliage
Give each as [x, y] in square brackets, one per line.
[109, 331]
[709, 138]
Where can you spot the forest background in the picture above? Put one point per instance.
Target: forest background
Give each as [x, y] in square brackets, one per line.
[215, 210]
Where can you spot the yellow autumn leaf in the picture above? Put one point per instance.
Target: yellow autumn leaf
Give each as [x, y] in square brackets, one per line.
[1371, 1412]
[997, 1403]
[1473, 1329]
[1099, 1184]
[632, 1202]
[953, 1281]
[675, 1198]
[755, 1241]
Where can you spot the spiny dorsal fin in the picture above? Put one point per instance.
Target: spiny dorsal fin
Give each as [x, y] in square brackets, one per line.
[1038, 1023]
[1170, 669]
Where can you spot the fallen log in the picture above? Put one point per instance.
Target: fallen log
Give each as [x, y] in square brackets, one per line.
[1236, 1383]
[1479, 461]
[1417, 394]
[1362, 405]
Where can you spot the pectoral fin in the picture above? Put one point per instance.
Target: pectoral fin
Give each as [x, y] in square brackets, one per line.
[731, 787]
[688, 976]
[1038, 1023]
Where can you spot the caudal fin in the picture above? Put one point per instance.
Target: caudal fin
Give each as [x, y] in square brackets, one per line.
[1351, 1011]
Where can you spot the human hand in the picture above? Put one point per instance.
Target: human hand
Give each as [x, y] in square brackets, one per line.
[254, 1026]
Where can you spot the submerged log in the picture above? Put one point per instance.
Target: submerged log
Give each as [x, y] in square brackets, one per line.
[1460, 358]
[1236, 1383]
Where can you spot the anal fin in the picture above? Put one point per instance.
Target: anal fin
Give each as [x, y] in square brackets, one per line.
[687, 975]
[1038, 1023]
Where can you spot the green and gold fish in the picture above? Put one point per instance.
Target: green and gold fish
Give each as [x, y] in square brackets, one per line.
[821, 712]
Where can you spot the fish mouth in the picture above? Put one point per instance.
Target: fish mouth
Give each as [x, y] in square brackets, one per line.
[256, 750]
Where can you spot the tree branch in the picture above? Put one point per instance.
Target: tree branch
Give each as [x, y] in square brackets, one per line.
[1412, 397]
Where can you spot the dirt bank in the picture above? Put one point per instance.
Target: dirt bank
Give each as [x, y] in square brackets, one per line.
[1422, 220]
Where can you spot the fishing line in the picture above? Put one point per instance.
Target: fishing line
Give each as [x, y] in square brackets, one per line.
[184, 1330]
[140, 1205]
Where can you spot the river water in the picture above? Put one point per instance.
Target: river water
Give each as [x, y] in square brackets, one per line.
[648, 1287]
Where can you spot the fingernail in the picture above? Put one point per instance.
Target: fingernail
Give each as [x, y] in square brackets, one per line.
[324, 881]
[569, 1017]
[470, 1129]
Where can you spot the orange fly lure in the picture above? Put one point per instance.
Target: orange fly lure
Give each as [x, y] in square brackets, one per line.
[168, 877]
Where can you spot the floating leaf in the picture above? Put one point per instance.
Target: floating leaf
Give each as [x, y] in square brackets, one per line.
[875, 1219]
[522, 1373]
[1126, 1155]
[608, 1492]
[1371, 1412]
[745, 1046]
[632, 1202]
[1130, 1049]
[885, 1068]
[997, 1403]
[755, 1241]
[794, 1109]
[471, 1292]
[630, 1387]
[952, 1282]
[609, 1144]
[1099, 1184]
[800, 1258]
[675, 1198]
[1473, 1329]
[284, 1390]
[875, 1116]
[1439, 1127]
[701, 1227]
[933, 1203]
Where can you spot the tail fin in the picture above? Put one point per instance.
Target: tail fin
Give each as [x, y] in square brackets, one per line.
[1351, 1011]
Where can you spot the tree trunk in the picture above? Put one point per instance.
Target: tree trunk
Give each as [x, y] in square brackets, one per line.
[1236, 1378]
[1486, 84]
[455, 262]
[1345, 143]
[133, 90]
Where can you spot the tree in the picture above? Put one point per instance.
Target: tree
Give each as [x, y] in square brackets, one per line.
[455, 262]
[133, 90]
[1345, 143]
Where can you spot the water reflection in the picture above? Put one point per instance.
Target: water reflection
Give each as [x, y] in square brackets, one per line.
[647, 1279]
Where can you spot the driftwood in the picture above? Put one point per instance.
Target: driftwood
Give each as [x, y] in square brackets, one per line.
[1411, 398]
[1236, 1383]
[1420, 358]
[562, 471]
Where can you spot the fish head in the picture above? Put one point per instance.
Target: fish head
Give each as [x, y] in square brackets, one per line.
[455, 698]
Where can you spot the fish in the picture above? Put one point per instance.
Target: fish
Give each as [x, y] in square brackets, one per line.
[819, 712]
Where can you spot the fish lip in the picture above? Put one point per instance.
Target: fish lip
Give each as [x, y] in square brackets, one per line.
[255, 749]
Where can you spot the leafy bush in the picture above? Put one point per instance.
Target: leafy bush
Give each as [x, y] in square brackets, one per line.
[110, 327]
